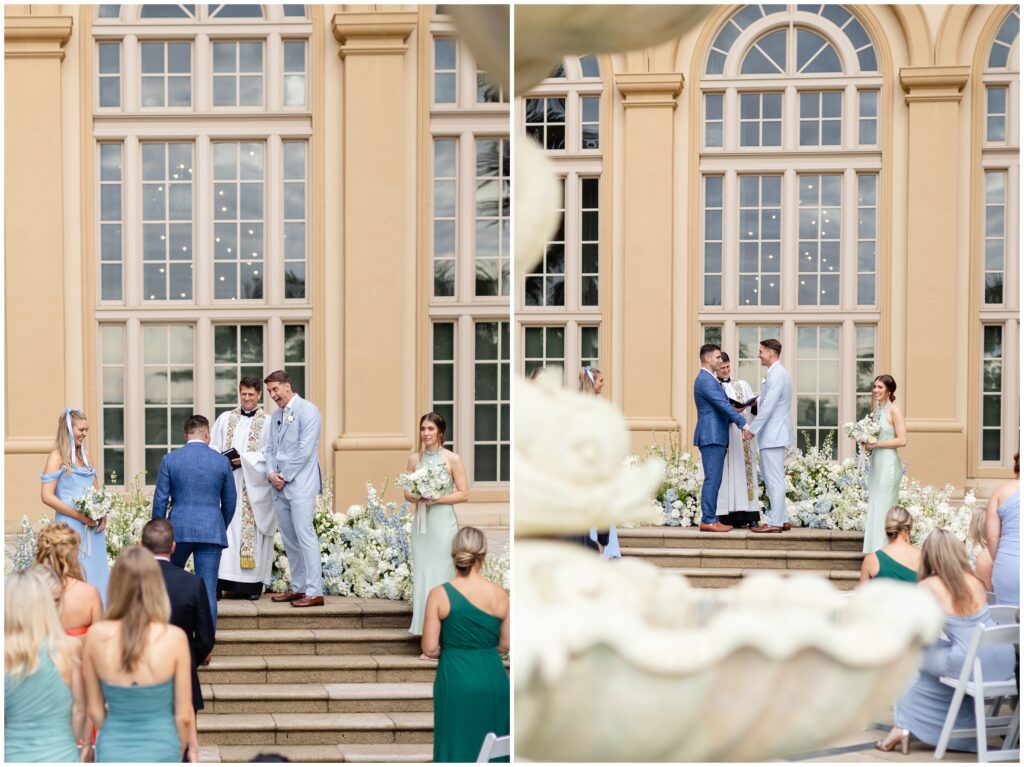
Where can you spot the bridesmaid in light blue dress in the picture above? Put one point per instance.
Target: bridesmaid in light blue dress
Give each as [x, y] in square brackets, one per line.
[68, 476]
[1002, 536]
[886, 469]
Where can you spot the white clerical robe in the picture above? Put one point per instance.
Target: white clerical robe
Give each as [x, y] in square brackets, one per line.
[235, 565]
[739, 475]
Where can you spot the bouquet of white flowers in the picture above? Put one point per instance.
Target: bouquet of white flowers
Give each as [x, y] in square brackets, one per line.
[430, 482]
[95, 504]
[864, 430]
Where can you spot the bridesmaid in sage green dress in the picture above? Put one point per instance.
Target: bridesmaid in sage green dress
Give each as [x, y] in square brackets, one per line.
[434, 525]
[886, 469]
[44, 704]
[140, 694]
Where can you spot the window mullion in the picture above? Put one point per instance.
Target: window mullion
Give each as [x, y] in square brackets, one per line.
[791, 119]
[573, 230]
[465, 394]
[273, 232]
[202, 216]
[847, 382]
[848, 256]
[273, 71]
[730, 239]
[790, 267]
[134, 427]
[465, 218]
[731, 117]
[202, 98]
[131, 74]
[203, 376]
[132, 234]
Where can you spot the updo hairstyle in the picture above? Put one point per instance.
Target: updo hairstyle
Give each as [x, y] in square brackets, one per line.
[468, 547]
[890, 385]
[897, 519]
[57, 547]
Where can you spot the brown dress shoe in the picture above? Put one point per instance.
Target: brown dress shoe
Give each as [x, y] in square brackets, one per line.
[288, 596]
[714, 527]
[786, 526]
[308, 601]
[766, 529]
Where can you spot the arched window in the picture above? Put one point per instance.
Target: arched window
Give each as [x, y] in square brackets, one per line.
[202, 234]
[784, 235]
[998, 265]
[559, 312]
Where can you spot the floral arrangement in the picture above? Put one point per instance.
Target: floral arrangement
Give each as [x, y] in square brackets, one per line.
[95, 504]
[496, 568]
[866, 429]
[24, 554]
[678, 497]
[430, 481]
[129, 513]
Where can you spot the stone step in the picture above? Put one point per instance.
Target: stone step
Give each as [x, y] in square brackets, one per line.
[316, 641]
[336, 613]
[724, 577]
[388, 753]
[318, 698]
[316, 669]
[410, 727]
[746, 559]
[797, 539]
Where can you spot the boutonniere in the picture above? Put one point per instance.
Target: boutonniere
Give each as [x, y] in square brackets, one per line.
[289, 418]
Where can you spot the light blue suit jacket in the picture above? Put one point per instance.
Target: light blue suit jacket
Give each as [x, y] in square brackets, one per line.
[713, 411]
[774, 422]
[292, 448]
[198, 483]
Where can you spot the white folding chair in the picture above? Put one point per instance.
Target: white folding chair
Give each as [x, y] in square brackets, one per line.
[494, 747]
[971, 682]
[1003, 615]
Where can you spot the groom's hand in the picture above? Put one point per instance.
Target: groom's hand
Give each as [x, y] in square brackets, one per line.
[747, 434]
[276, 480]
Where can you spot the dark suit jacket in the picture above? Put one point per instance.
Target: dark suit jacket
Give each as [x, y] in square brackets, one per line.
[190, 611]
[198, 483]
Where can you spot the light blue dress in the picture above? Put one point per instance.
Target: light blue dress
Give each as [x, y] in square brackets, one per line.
[37, 716]
[431, 550]
[922, 709]
[140, 724]
[1006, 568]
[883, 485]
[93, 550]
[611, 551]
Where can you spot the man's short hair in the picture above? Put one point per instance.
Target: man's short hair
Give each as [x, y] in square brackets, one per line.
[725, 357]
[775, 346]
[196, 424]
[251, 382]
[278, 376]
[706, 349]
[158, 536]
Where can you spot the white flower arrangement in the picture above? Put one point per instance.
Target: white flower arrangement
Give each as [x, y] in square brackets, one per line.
[430, 481]
[678, 498]
[95, 504]
[866, 429]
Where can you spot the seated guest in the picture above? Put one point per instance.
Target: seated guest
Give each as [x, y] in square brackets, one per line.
[138, 673]
[79, 605]
[1002, 537]
[899, 559]
[982, 558]
[190, 607]
[946, 575]
[466, 624]
[44, 703]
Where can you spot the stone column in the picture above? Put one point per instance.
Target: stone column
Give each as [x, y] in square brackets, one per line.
[649, 306]
[935, 305]
[377, 291]
[33, 250]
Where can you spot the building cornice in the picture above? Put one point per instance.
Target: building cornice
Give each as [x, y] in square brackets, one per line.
[36, 37]
[380, 32]
[649, 89]
[934, 83]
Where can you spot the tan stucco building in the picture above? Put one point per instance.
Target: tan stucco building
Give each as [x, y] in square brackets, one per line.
[843, 178]
[195, 193]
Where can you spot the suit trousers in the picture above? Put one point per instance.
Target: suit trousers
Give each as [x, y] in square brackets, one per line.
[206, 559]
[772, 459]
[712, 460]
[295, 518]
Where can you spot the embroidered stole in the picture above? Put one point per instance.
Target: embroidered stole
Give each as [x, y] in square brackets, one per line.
[247, 548]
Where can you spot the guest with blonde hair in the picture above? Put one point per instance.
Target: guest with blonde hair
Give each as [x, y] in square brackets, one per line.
[467, 625]
[982, 557]
[946, 574]
[44, 701]
[138, 669]
[899, 559]
[80, 604]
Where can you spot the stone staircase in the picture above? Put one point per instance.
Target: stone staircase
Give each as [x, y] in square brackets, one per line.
[337, 683]
[719, 560]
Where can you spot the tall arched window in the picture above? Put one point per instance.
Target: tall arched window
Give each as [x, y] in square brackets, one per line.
[998, 267]
[559, 311]
[202, 124]
[790, 164]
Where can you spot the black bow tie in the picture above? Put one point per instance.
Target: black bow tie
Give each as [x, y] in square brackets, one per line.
[248, 413]
[725, 380]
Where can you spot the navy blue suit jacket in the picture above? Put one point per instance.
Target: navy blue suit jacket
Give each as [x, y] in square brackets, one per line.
[197, 481]
[713, 412]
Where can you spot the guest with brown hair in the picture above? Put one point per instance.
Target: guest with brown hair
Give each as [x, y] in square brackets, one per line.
[899, 559]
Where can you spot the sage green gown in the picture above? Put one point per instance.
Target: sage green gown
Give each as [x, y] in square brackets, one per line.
[431, 550]
[884, 477]
[471, 689]
[140, 724]
[37, 716]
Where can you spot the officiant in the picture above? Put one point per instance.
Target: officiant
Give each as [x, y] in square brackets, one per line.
[242, 435]
[739, 501]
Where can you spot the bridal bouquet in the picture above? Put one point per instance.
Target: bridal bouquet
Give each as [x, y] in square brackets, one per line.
[864, 430]
[95, 504]
[430, 482]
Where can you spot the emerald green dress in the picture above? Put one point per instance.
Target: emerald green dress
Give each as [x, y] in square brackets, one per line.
[890, 568]
[37, 716]
[471, 689]
[432, 536]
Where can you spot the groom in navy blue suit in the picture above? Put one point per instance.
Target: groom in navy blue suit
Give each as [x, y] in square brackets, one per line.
[711, 435]
[196, 482]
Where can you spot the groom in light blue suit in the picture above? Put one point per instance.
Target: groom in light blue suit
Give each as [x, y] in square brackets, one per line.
[711, 435]
[294, 475]
[774, 429]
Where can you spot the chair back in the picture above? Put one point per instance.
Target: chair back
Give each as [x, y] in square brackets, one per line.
[494, 747]
[1004, 614]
